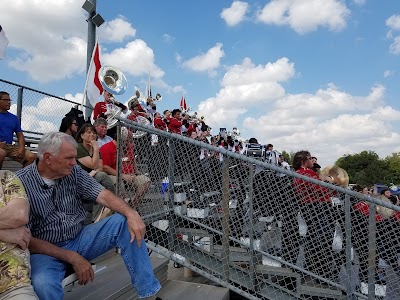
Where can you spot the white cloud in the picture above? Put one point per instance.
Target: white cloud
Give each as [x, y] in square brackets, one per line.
[168, 38]
[206, 62]
[395, 46]
[393, 22]
[305, 15]
[359, 2]
[388, 73]
[329, 122]
[235, 14]
[50, 39]
[246, 86]
[116, 30]
[136, 58]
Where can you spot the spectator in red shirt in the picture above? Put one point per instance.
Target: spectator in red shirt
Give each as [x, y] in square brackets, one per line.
[320, 216]
[175, 123]
[131, 176]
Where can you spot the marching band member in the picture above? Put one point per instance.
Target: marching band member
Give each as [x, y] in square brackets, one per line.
[101, 108]
[175, 122]
[159, 122]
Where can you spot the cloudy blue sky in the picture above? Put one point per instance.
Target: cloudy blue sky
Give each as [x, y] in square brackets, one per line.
[321, 75]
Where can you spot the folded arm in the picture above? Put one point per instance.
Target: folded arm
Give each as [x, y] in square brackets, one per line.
[15, 214]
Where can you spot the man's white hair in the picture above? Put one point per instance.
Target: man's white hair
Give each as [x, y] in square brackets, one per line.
[51, 143]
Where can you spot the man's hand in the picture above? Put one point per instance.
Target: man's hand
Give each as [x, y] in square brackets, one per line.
[136, 227]
[83, 269]
[20, 236]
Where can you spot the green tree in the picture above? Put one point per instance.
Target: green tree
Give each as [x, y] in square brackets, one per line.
[393, 163]
[288, 156]
[365, 168]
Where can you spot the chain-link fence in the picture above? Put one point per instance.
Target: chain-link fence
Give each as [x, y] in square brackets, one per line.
[263, 231]
[38, 112]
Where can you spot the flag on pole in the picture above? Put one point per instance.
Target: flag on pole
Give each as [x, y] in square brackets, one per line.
[93, 87]
[149, 87]
[3, 43]
[183, 105]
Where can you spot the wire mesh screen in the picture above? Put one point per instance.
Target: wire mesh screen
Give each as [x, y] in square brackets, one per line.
[39, 112]
[262, 231]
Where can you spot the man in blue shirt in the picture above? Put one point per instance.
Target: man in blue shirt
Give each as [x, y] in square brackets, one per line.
[9, 126]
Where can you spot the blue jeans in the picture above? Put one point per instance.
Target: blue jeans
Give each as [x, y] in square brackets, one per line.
[93, 241]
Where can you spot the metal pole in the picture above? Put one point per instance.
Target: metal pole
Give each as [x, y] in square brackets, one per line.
[119, 161]
[251, 223]
[19, 103]
[347, 220]
[171, 192]
[372, 251]
[91, 40]
[225, 218]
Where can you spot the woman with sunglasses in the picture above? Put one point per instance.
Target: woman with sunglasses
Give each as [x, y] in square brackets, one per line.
[69, 126]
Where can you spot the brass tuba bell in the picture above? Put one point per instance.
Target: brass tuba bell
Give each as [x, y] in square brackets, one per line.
[114, 82]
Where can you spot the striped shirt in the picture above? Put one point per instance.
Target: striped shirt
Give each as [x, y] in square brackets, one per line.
[57, 212]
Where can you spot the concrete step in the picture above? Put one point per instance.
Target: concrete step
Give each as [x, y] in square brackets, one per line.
[179, 290]
[115, 282]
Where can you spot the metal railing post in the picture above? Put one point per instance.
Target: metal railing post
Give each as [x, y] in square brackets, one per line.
[371, 251]
[251, 223]
[225, 218]
[171, 192]
[349, 268]
[118, 188]
[19, 103]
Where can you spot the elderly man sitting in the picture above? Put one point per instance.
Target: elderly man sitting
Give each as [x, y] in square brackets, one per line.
[56, 188]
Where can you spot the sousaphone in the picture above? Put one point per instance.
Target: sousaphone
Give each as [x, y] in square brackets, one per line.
[339, 175]
[114, 82]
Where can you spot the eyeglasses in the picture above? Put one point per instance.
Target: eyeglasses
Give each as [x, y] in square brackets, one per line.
[6, 99]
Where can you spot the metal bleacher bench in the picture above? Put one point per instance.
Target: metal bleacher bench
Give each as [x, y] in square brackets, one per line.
[31, 143]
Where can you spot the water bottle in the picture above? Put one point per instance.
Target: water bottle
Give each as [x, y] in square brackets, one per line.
[164, 185]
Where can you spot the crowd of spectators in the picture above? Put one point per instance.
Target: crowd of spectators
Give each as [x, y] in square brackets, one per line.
[64, 181]
[95, 180]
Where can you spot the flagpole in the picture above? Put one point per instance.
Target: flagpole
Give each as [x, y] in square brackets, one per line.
[88, 72]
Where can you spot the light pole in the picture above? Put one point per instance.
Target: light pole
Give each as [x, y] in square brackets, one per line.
[94, 20]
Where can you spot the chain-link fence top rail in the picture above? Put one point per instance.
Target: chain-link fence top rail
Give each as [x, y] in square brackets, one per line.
[263, 231]
[39, 112]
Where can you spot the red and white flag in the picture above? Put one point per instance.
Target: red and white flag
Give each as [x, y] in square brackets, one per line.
[183, 105]
[93, 86]
[3, 43]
